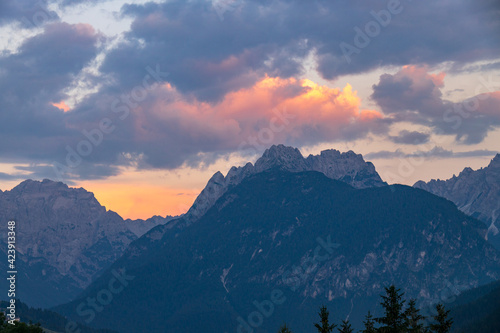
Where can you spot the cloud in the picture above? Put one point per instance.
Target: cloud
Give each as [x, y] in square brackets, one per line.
[68, 3]
[410, 138]
[6, 176]
[167, 129]
[413, 94]
[34, 78]
[229, 75]
[27, 13]
[436, 152]
[209, 57]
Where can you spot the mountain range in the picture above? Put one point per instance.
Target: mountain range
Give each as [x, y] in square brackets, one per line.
[476, 193]
[65, 239]
[278, 245]
[348, 167]
[253, 234]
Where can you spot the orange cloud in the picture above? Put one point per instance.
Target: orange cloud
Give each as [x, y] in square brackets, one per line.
[61, 105]
[245, 112]
[423, 72]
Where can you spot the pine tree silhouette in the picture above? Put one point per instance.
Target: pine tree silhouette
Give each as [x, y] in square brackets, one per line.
[325, 326]
[394, 319]
[345, 327]
[369, 324]
[414, 318]
[284, 329]
[443, 324]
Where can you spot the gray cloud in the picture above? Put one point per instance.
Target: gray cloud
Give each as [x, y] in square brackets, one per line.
[209, 57]
[410, 138]
[28, 13]
[414, 95]
[31, 128]
[436, 152]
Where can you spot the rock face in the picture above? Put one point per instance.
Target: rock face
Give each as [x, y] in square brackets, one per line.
[347, 167]
[476, 193]
[302, 236]
[64, 239]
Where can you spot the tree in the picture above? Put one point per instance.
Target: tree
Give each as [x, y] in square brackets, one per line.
[443, 324]
[414, 318]
[345, 327]
[18, 327]
[394, 319]
[369, 324]
[284, 329]
[325, 326]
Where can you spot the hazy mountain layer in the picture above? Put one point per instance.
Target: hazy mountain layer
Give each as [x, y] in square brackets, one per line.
[476, 193]
[64, 239]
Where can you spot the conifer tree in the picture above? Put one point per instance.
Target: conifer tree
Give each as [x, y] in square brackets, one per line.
[324, 326]
[443, 324]
[345, 327]
[284, 329]
[394, 319]
[369, 324]
[414, 318]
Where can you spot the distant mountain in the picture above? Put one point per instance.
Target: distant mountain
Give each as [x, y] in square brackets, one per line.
[139, 227]
[476, 193]
[347, 167]
[280, 244]
[64, 239]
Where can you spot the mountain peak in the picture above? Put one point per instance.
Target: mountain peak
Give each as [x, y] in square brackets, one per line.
[30, 185]
[495, 162]
[475, 192]
[282, 156]
[348, 167]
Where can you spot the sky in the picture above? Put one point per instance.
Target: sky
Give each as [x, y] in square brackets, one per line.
[142, 101]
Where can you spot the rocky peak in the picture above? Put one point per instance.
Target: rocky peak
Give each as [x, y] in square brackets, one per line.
[465, 172]
[287, 158]
[348, 167]
[56, 195]
[33, 186]
[495, 162]
[475, 192]
[66, 233]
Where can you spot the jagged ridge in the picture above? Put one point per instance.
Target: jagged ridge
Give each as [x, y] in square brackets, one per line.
[348, 167]
[476, 193]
